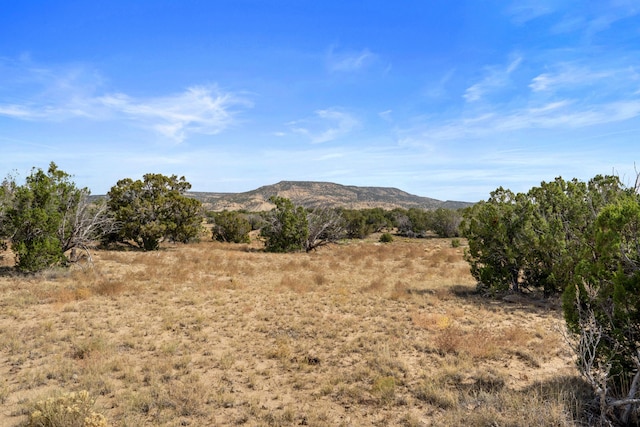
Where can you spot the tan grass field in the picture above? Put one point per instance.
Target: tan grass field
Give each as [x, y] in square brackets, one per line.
[355, 334]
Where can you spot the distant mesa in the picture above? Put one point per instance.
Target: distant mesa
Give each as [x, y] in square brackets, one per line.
[312, 194]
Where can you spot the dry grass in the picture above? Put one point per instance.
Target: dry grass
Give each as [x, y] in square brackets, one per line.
[216, 334]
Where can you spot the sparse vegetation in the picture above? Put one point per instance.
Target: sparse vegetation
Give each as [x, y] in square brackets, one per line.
[190, 335]
[226, 334]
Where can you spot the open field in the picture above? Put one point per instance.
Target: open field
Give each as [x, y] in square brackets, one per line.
[354, 334]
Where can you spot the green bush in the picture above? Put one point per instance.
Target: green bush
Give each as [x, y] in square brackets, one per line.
[602, 304]
[286, 228]
[154, 209]
[231, 227]
[386, 238]
[535, 239]
[45, 217]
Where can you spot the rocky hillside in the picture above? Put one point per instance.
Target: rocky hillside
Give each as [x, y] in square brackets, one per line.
[312, 194]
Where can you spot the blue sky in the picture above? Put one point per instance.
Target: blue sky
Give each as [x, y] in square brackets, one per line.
[444, 99]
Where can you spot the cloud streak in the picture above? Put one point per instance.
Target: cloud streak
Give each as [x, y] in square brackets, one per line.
[327, 125]
[350, 61]
[198, 110]
[495, 78]
[66, 95]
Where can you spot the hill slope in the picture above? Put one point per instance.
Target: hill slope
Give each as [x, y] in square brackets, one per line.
[312, 194]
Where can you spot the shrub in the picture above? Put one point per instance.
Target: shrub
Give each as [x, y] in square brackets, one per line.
[286, 229]
[154, 209]
[386, 238]
[602, 309]
[231, 227]
[445, 222]
[535, 239]
[47, 216]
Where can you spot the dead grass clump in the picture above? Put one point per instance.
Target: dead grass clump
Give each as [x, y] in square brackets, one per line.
[109, 287]
[400, 291]
[83, 349]
[296, 284]
[376, 285]
[66, 410]
[482, 343]
[436, 393]
[431, 321]
[558, 407]
[66, 295]
[386, 364]
[449, 339]
[320, 279]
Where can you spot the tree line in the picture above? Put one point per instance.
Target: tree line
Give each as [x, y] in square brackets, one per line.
[48, 219]
[291, 228]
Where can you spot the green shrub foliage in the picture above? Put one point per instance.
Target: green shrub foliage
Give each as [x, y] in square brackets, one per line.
[386, 238]
[358, 224]
[45, 217]
[290, 228]
[605, 293]
[154, 209]
[581, 239]
[231, 227]
[535, 239]
[444, 222]
[286, 228]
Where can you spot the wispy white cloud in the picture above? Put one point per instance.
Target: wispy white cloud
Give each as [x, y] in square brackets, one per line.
[523, 11]
[438, 89]
[495, 77]
[198, 110]
[570, 76]
[386, 115]
[327, 125]
[349, 61]
[561, 115]
[65, 94]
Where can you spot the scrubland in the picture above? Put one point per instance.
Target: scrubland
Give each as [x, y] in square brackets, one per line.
[359, 333]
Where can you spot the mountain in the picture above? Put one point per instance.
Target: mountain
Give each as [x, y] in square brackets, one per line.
[312, 194]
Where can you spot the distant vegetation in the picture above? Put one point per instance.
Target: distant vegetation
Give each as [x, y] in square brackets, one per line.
[48, 219]
[311, 194]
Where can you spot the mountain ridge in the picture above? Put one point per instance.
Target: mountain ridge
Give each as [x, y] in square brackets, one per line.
[318, 193]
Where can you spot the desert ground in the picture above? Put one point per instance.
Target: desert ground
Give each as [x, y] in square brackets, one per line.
[355, 334]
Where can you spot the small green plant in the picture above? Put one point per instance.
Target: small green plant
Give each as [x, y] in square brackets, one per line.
[385, 389]
[386, 238]
[455, 243]
[66, 410]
